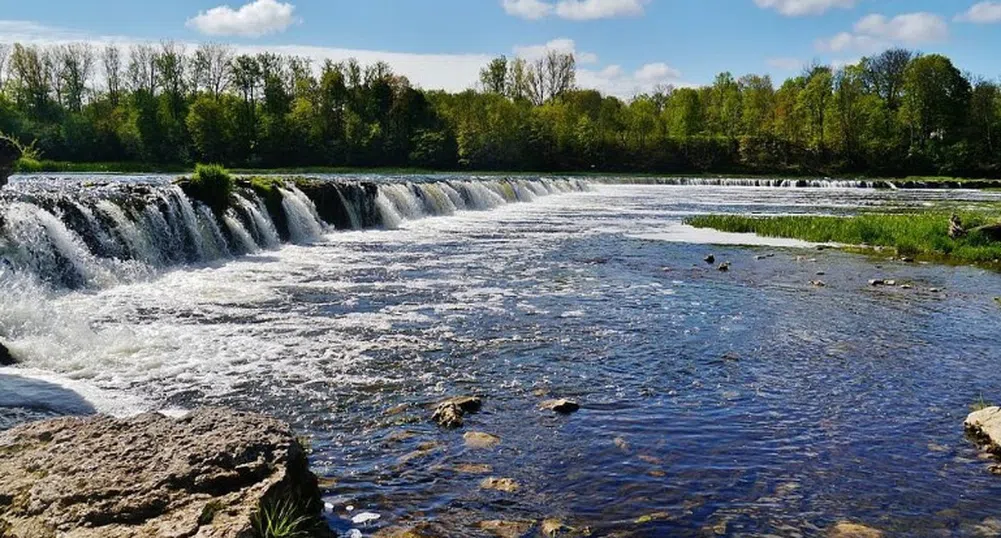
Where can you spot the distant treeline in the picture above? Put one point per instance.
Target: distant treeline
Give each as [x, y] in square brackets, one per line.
[899, 113]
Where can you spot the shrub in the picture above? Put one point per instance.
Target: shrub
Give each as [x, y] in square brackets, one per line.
[212, 185]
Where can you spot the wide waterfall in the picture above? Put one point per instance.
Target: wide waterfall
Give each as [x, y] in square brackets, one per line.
[90, 237]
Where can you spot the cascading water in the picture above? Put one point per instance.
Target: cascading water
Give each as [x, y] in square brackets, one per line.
[304, 222]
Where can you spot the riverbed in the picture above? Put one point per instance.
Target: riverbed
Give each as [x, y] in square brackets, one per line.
[747, 402]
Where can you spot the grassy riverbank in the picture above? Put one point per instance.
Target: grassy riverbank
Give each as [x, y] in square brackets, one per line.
[32, 166]
[916, 235]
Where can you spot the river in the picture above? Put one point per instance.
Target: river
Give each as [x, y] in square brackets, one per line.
[747, 402]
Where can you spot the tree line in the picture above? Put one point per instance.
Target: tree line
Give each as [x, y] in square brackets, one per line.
[896, 113]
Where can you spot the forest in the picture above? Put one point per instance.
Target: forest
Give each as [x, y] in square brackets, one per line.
[894, 114]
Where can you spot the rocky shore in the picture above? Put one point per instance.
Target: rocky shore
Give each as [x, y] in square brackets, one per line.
[211, 474]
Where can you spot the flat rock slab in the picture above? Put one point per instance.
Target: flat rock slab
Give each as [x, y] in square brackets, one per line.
[480, 440]
[853, 530]
[986, 426]
[560, 406]
[200, 476]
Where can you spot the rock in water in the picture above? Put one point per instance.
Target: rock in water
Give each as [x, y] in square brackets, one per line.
[853, 530]
[560, 406]
[202, 475]
[449, 413]
[710, 259]
[480, 440]
[986, 426]
[724, 267]
[6, 359]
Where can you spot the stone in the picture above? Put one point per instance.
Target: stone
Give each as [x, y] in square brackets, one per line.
[505, 529]
[906, 259]
[6, 359]
[891, 282]
[818, 283]
[449, 413]
[985, 425]
[500, 484]
[554, 528]
[203, 475]
[710, 259]
[846, 529]
[420, 531]
[956, 229]
[480, 440]
[650, 518]
[473, 468]
[724, 267]
[560, 406]
[877, 282]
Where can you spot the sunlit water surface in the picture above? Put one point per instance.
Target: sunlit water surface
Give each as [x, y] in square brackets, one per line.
[742, 403]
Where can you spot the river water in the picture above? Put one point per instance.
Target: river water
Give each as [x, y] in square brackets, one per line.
[740, 403]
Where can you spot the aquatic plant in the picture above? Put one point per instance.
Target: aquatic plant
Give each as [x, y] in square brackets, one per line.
[910, 234]
[285, 517]
[212, 185]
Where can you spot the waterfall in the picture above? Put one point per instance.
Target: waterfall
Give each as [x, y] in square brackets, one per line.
[410, 201]
[92, 237]
[754, 182]
[304, 222]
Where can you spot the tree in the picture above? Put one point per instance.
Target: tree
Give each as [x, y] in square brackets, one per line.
[210, 68]
[111, 59]
[883, 75]
[494, 76]
[936, 99]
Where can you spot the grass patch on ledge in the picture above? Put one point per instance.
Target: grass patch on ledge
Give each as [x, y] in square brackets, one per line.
[917, 235]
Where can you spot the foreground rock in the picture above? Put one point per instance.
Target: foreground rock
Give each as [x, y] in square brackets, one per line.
[985, 425]
[205, 476]
[481, 440]
[6, 359]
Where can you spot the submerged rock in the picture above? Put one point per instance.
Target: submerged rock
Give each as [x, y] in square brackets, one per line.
[505, 529]
[6, 359]
[985, 425]
[710, 259]
[724, 267]
[845, 529]
[560, 406]
[500, 484]
[480, 440]
[204, 475]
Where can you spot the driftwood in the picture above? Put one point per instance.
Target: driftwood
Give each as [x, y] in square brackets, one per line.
[991, 231]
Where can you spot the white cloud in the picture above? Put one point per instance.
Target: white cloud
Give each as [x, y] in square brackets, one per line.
[982, 13]
[874, 32]
[258, 18]
[527, 9]
[613, 80]
[586, 10]
[799, 8]
[784, 64]
[564, 45]
[577, 10]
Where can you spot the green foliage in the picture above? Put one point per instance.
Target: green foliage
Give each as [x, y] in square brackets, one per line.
[212, 185]
[283, 518]
[980, 404]
[895, 114]
[913, 234]
[209, 512]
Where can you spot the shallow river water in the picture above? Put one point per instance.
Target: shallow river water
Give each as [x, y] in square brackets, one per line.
[743, 403]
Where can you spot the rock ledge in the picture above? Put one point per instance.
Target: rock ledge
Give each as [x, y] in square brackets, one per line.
[203, 476]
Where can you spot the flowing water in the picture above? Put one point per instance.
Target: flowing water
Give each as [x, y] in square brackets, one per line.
[740, 403]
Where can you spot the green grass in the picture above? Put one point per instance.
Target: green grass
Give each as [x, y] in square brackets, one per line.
[213, 185]
[980, 404]
[285, 518]
[918, 235]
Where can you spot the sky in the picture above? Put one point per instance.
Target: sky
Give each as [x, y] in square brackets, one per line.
[623, 47]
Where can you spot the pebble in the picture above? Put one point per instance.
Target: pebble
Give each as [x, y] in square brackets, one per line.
[480, 440]
[365, 517]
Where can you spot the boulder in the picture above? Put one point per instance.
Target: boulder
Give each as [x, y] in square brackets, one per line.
[985, 425]
[500, 484]
[560, 406]
[724, 267]
[710, 259]
[505, 529]
[207, 475]
[449, 413]
[6, 359]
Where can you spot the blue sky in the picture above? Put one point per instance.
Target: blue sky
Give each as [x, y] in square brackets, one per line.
[623, 46]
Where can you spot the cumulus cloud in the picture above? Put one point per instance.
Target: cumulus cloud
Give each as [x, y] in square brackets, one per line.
[577, 10]
[800, 8]
[874, 32]
[982, 13]
[258, 18]
[564, 45]
[614, 80]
